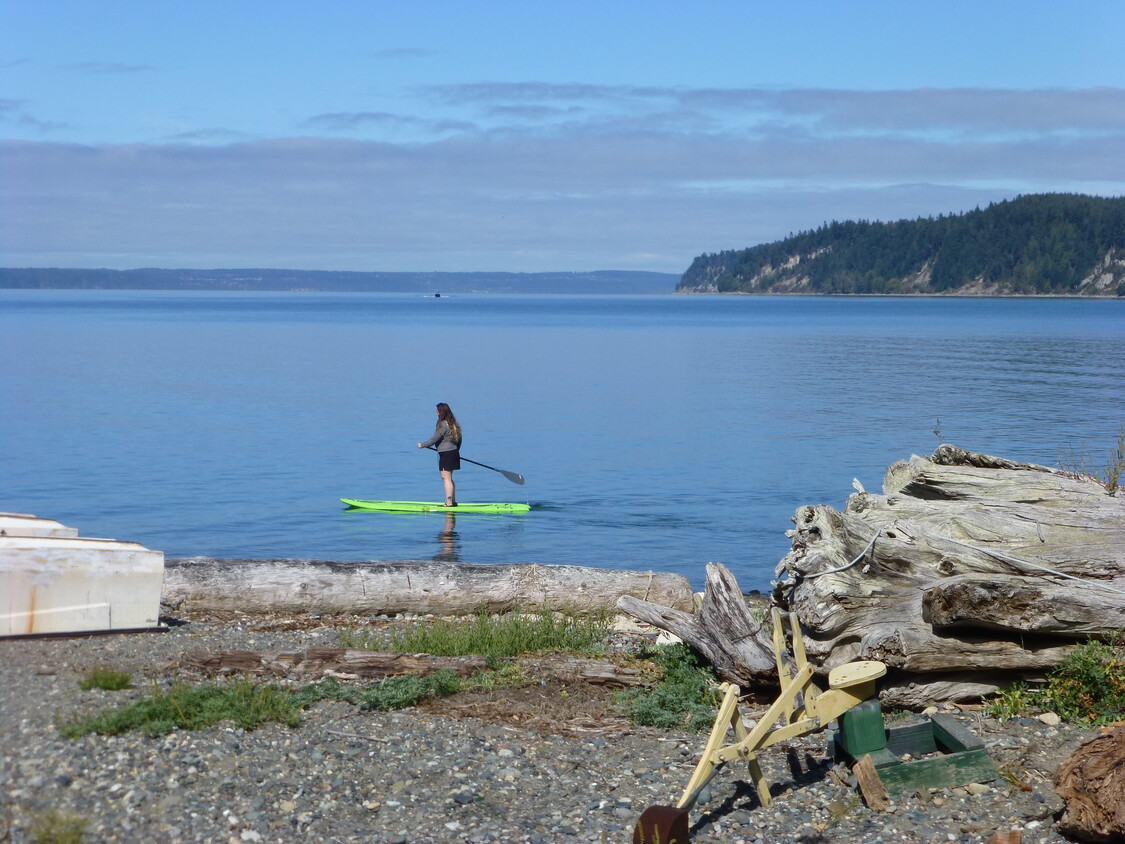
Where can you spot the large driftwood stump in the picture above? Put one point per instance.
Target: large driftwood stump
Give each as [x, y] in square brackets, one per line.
[725, 631]
[410, 586]
[968, 572]
[1092, 785]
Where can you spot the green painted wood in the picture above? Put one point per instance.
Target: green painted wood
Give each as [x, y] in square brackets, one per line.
[862, 730]
[951, 735]
[946, 771]
[915, 739]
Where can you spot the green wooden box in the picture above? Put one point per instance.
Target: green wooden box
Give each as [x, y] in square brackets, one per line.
[962, 757]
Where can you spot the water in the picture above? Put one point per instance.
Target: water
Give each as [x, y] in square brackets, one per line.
[656, 432]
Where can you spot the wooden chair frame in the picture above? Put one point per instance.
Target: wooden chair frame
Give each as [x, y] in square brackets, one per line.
[800, 708]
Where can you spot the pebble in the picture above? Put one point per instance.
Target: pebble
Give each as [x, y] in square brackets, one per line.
[409, 777]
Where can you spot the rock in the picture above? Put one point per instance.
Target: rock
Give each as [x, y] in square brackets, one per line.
[1092, 785]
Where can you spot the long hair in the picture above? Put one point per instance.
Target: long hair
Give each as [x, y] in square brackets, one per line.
[444, 414]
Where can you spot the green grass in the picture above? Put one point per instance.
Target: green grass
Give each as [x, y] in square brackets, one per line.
[106, 678]
[1081, 464]
[498, 636]
[1088, 687]
[392, 693]
[187, 707]
[56, 827]
[686, 697]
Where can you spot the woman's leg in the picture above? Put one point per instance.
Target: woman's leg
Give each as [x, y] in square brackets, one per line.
[450, 487]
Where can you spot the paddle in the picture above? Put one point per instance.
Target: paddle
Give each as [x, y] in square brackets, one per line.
[511, 476]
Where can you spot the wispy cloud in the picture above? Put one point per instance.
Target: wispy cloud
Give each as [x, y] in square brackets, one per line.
[360, 122]
[534, 176]
[15, 112]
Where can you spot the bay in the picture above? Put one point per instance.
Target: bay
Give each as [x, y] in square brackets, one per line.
[655, 432]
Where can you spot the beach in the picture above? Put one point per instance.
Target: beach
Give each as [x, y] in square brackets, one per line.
[554, 761]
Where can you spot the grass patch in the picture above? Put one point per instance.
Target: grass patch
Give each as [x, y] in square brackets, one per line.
[1088, 687]
[410, 689]
[392, 693]
[106, 678]
[1081, 464]
[56, 827]
[489, 635]
[192, 708]
[686, 697]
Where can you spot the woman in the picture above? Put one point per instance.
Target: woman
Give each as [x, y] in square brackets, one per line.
[447, 440]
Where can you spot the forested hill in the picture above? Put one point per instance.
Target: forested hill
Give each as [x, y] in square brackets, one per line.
[599, 281]
[1044, 244]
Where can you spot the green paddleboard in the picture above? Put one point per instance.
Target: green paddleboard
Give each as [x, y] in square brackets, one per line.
[433, 507]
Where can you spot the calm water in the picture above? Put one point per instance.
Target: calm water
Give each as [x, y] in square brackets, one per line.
[655, 432]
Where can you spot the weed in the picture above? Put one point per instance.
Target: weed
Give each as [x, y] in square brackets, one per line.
[1012, 702]
[505, 635]
[192, 708]
[1087, 687]
[686, 697]
[57, 827]
[392, 693]
[107, 679]
[1081, 464]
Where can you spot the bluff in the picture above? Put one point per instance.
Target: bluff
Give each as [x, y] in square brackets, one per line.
[1043, 244]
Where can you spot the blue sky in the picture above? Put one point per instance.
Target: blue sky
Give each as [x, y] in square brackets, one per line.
[526, 136]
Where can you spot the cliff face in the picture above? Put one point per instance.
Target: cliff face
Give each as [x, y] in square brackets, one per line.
[1052, 244]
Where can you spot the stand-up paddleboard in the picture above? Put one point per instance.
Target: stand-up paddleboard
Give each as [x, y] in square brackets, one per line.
[433, 507]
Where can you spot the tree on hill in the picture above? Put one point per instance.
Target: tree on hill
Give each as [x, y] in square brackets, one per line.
[1039, 244]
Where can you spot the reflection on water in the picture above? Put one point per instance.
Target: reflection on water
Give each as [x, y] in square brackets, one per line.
[449, 543]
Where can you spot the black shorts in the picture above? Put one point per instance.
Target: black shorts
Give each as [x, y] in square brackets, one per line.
[448, 461]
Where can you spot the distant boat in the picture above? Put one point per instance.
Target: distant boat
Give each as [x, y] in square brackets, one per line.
[437, 295]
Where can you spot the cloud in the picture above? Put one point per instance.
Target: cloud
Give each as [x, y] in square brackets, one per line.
[14, 112]
[546, 177]
[825, 111]
[358, 122]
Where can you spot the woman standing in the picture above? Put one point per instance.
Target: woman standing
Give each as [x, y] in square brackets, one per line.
[447, 440]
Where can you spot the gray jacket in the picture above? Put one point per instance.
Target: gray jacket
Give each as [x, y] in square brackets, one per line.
[442, 439]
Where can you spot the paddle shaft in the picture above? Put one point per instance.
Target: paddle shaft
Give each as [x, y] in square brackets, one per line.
[511, 476]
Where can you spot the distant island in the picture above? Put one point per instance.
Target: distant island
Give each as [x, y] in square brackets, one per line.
[1042, 244]
[431, 283]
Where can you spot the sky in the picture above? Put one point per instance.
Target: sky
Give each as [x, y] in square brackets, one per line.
[531, 136]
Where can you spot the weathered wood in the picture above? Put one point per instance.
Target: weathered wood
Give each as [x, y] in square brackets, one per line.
[871, 785]
[322, 662]
[969, 567]
[725, 630]
[252, 586]
[355, 663]
[1092, 785]
[1005, 602]
[968, 573]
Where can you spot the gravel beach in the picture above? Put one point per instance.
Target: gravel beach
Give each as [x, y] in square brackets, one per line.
[556, 762]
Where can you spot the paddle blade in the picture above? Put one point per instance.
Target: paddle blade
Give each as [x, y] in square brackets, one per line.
[513, 477]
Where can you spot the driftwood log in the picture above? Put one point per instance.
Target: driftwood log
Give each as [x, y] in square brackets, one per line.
[725, 631]
[361, 664]
[968, 573]
[383, 588]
